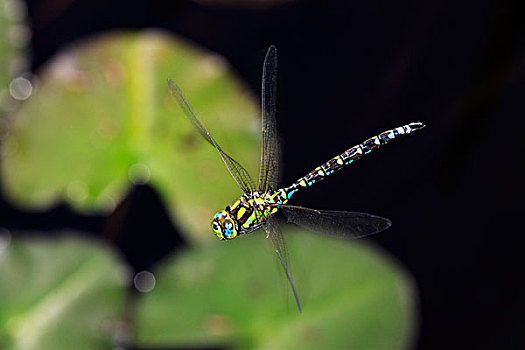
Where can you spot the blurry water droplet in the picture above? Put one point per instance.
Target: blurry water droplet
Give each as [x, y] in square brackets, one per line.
[139, 173]
[77, 191]
[20, 88]
[5, 239]
[144, 281]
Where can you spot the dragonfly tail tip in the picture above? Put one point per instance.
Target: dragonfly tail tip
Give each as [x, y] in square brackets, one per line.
[417, 125]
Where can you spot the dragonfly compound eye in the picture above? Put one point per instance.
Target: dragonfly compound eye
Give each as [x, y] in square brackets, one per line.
[217, 229]
[223, 226]
[229, 229]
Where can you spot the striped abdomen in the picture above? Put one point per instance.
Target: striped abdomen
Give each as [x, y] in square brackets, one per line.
[351, 155]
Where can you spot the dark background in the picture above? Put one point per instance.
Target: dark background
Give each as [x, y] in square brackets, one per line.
[349, 70]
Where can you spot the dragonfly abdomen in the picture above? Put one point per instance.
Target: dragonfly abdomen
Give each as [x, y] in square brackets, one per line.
[351, 155]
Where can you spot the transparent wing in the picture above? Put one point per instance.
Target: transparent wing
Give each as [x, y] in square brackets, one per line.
[342, 224]
[239, 174]
[273, 232]
[269, 171]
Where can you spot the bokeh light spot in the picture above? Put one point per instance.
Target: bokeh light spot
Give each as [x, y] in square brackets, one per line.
[139, 173]
[20, 88]
[144, 281]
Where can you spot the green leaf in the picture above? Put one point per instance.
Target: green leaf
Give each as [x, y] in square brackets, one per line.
[102, 116]
[64, 293]
[352, 296]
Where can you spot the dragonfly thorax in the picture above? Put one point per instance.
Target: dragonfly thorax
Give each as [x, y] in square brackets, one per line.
[224, 226]
[247, 213]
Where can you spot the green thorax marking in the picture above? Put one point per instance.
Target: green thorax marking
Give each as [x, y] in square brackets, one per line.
[250, 211]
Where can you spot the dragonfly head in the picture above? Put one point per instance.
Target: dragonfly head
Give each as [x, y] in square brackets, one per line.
[224, 226]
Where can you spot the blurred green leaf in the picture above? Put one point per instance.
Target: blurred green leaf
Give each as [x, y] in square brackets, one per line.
[14, 36]
[102, 115]
[58, 294]
[353, 298]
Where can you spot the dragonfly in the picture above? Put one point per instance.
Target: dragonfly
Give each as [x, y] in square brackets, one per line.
[258, 205]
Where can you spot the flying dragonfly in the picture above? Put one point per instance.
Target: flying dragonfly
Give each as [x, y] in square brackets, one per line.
[257, 206]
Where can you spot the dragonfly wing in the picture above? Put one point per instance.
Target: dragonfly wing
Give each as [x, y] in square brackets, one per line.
[342, 224]
[269, 171]
[274, 233]
[239, 174]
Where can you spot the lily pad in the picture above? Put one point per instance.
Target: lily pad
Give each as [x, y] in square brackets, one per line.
[102, 117]
[65, 293]
[353, 298]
